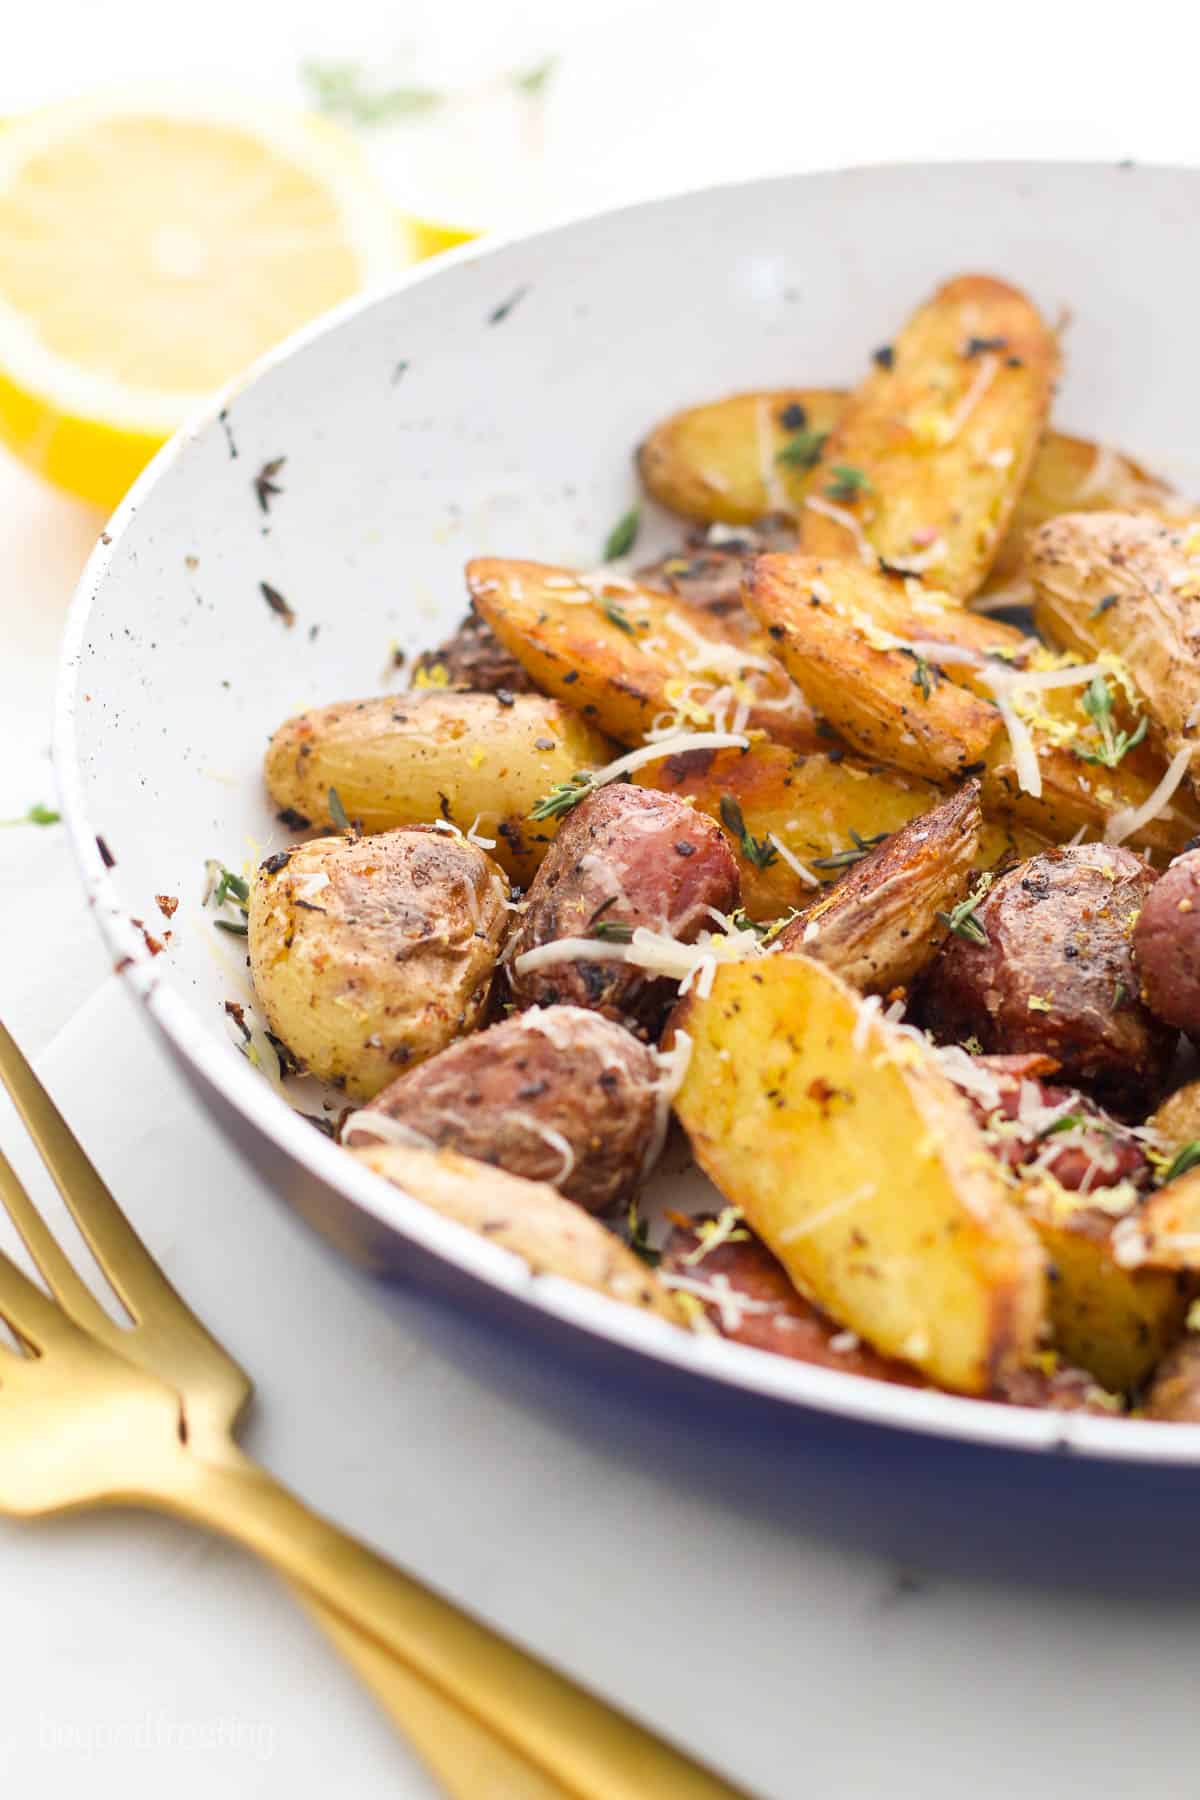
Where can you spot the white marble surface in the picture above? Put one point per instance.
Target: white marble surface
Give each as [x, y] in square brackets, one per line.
[142, 1658]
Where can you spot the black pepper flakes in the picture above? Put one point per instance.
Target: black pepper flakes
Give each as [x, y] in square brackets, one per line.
[505, 698]
[884, 357]
[264, 484]
[683, 848]
[295, 821]
[794, 417]
[277, 603]
[106, 855]
[977, 346]
[272, 864]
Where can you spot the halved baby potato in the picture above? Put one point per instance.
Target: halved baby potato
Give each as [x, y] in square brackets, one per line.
[862, 1168]
[630, 659]
[370, 954]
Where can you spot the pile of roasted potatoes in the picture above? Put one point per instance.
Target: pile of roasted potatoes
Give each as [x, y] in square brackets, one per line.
[856, 836]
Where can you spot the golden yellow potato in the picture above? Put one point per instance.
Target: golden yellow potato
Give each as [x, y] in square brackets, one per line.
[407, 759]
[369, 954]
[1174, 1394]
[629, 658]
[927, 461]
[530, 1218]
[862, 1168]
[1177, 1121]
[1112, 1319]
[1164, 1232]
[887, 915]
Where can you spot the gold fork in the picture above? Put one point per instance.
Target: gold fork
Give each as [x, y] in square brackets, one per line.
[97, 1413]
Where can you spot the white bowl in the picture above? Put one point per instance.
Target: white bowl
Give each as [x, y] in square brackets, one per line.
[490, 404]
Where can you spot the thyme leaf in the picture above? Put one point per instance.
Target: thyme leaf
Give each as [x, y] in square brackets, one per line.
[563, 796]
[761, 852]
[803, 449]
[623, 535]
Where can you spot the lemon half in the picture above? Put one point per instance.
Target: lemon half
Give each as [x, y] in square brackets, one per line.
[152, 247]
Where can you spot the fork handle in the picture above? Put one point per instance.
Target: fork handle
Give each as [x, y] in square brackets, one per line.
[592, 1751]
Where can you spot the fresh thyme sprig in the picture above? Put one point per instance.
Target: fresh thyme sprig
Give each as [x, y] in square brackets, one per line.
[761, 852]
[1097, 703]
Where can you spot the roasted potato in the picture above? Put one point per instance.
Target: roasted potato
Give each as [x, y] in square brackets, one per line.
[738, 459]
[626, 857]
[554, 1236]
[1176, 1123]
[1174, 1393]
[628, 659]
[1054, 973]
[907, 703]
[480, 762]
[890, 705]
[925, 465]
[1131, 587]
[1112, 1318]
[1164, 1232]
[728, 462]
[1166, 945]
[861, 1167]
[748, 1297]
[555, 1094]
[369, 954]
[472, 658]
[711, 574]
[885, 918]
[1030, 1121]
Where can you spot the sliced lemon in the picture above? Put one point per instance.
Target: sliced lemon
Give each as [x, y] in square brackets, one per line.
[150, 248]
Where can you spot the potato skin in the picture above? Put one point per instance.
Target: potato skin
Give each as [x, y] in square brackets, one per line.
[473, 658]
[625, 856]
[407, 759]
[1177, 1121]
[1166, 945]
[884, 919]
[1109, 1153]
[1174, 1392]
[551, 1234]
[372, 953]
[1059, 952]
[711, 576]
[497, 1095]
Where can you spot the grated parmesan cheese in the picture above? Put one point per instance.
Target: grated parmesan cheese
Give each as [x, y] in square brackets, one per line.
[846, 519]
[1132, 819]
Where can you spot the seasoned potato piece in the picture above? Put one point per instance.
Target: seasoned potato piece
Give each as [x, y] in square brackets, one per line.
[814, 807]
[910, 709]
[748, 1297]
[476, 760]
[553, 1235]
[1130, 586]
[1174, 1393]
[628, 658]
[861, 1167]
[711, 576]
[555, 1094]
[1176, 1123]
[738, 459]
[1054, 974]
[1071, 475]
[1107, 1316]
[1166, 945]
[371, 953]
[626, 857]
[722, 463]
[885, 702]
[1164, 1233]
[472, 658]
[925, 465]
[886, 917]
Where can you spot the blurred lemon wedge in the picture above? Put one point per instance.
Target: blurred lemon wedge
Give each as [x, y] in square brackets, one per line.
[151, 246]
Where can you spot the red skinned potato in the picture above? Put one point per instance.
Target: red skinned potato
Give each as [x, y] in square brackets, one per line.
[1166, 945]
[473, 658]
[1032, 1121]
[1174, 1392]
[625, 857]
[747, 1297]
[1056, 975]
[555, 1094]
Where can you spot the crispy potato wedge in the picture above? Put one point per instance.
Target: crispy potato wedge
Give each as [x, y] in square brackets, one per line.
[814, 806]
[1177, 1121]
[872, 694]
[1129, 586]
[1115, 1320]
[1174, 1393]
[721, 463]
[626, 657]
[553, 1235]
[861, 1167]
[912, 711]
[926, 464]
[738, 459]
[473, 760]
[1071, 475]
[886, 917]
[1164, 1232]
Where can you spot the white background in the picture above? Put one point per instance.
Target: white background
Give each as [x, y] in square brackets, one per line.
[141, 1658]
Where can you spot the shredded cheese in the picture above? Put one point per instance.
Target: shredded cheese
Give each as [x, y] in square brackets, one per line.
[846, 519]
[385, 1130]
[793, 862]
[1132, 819]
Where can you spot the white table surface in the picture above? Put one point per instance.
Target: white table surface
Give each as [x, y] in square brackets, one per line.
[142, 1658]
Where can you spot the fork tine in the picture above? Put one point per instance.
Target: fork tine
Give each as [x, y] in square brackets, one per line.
[31, 1314]
[64, 1283]
[136, 1278]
